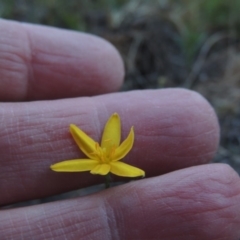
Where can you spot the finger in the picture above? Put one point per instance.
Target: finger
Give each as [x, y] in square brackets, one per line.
[173, 129]
[39, 62]
[196, 203]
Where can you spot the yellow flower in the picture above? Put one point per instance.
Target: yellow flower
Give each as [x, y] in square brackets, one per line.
[105, 158]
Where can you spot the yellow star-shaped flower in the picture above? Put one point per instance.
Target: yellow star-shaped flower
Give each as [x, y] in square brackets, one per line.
[105, 158]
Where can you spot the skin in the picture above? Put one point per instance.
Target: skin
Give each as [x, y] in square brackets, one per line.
[177, 134]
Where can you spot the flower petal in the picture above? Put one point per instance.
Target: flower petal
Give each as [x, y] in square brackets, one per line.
[112, 132]
[84, 142]
[76, 165]
[102, 169]
[125, 170]
[125, 146]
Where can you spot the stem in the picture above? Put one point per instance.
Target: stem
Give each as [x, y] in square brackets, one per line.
[107, 180]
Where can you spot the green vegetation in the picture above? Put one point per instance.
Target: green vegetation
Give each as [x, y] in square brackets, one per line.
[195, 19]
[200, 18]
[59, 13]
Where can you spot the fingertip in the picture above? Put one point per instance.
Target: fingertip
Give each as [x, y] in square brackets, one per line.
[114, 70]
[38, 62]
[84, 64]
[201, 128]
[174, 128]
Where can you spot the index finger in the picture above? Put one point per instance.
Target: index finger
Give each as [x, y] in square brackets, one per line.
[39, 62]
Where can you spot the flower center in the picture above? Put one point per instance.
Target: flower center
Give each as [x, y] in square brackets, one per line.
[104, 155]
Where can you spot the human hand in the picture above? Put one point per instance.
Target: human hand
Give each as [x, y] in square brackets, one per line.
[176, 130]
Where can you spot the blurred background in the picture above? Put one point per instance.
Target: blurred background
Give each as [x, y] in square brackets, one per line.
[164, 43]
